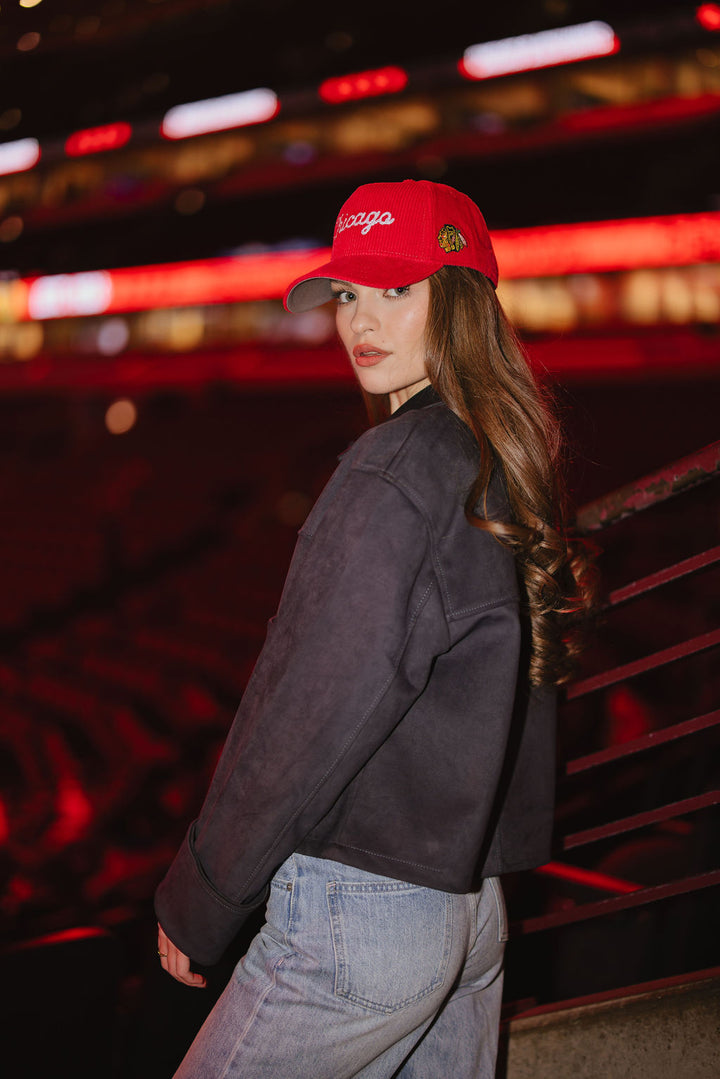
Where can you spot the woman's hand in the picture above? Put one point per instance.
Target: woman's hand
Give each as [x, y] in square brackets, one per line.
[176, 962]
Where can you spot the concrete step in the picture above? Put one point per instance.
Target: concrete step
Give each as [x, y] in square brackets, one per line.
[660, 1030]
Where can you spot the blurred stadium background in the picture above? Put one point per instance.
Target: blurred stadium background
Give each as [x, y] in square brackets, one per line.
[166, 167]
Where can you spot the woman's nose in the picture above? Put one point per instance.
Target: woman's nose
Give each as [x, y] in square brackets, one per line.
[364, 317]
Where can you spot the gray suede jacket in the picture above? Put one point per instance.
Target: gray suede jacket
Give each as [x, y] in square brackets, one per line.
[387, 724]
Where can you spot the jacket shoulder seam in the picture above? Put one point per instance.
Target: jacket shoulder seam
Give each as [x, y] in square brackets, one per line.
[417, 501]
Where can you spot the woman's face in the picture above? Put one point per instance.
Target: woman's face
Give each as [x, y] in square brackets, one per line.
[383, 331]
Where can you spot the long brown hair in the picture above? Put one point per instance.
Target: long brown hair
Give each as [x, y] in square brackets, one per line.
[478, 367]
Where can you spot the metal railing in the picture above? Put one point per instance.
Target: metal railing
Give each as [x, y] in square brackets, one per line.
[598, 894]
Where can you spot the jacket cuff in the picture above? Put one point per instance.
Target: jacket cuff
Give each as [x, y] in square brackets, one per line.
[198, 919]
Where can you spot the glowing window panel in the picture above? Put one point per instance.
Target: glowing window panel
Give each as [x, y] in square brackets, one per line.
[65, 295]
[19, 156]
[532, 51]
[96, 140]
[220, 113]
[384, 80]
[708, 15]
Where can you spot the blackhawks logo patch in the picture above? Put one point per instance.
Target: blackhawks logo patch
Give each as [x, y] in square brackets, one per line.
[451, 239]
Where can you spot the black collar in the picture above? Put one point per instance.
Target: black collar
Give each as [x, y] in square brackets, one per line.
[424, 397]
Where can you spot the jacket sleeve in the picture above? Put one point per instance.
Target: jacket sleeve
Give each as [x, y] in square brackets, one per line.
[330, 684]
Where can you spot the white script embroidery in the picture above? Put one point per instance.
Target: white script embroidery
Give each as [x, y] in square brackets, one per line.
[366, 219]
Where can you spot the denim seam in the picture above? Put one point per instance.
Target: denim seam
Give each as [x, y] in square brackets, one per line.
[294, 885]
[253, 1016]
[337, 938]
[341, 964]
[502, 933]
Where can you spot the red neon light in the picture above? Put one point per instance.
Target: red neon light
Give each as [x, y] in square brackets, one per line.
[178, 284]
[646, 355]
[592, 878]
[96, 140]
[649, 355]
[62, 936]
[385, 80]
[549, 251]
[222, 280]
[639, 114]
[606, 246]
[708, 15]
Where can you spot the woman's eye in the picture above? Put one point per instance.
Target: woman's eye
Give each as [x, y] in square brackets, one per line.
[344, 296]
[394, 293]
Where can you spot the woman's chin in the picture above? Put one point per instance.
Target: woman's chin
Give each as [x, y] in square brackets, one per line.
[373, 381]
[376, 381]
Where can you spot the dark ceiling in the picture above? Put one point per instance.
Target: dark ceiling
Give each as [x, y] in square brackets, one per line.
[96, 61]
[101, 60]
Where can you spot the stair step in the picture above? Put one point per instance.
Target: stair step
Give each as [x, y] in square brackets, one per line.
[662, 1030]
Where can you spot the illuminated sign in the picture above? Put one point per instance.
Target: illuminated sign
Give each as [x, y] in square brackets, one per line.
[65, 295]
[385, 80]
[546, 251]
[604, 246]
[18, 156]
[220, 113]
[708, 15]
[532, 51]
[95, 140]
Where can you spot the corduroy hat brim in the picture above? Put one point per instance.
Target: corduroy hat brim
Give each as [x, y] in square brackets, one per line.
[375, 271]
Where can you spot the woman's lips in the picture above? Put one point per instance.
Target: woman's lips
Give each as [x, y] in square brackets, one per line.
[367, 356]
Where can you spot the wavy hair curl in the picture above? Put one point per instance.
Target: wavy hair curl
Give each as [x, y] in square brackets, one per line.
[478, 367]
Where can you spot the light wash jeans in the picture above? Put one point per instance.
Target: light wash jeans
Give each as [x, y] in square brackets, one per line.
[357, 975]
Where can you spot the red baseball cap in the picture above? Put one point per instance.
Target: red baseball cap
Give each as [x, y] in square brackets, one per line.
[393, 234]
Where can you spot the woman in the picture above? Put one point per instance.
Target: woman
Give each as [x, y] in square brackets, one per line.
[393, 752]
